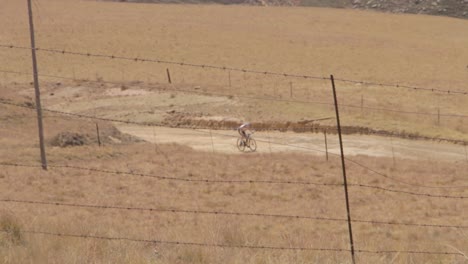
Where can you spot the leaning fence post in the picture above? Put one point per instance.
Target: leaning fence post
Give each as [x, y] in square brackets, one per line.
[97, 133]
[326, 143]
[344, 171]
[168, 75]
[36, 89]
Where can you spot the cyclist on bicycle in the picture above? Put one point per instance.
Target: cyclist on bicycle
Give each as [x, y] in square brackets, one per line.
[242, 129]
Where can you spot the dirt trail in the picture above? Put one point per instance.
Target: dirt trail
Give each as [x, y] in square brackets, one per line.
[159, 107]
[225, 141]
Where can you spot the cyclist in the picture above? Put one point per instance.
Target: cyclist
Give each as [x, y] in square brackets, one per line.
[242, 129]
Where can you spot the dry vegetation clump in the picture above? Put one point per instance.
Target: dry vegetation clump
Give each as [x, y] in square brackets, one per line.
[110, 135]
[10, 230]
[70, 139]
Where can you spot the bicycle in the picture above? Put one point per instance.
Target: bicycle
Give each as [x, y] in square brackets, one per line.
[249, 142]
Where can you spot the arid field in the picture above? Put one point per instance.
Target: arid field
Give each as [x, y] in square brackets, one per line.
[411, 50]
[167, 184]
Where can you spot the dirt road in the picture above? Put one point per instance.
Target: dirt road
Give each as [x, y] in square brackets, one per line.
[152, 106]
[225, 141]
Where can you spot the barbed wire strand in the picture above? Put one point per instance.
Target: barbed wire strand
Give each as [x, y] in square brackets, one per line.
[184, 243]
[402, 86]
[2, 101]
[160, 61]
[129, 208]
[224, 68]
[402, 181]
[160, 177]
[261, 98]
[116, 172]
[173, 210]
[180, 90]
[408, 192]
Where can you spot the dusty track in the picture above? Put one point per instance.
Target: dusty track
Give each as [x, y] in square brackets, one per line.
[225, 141]
[204, 111]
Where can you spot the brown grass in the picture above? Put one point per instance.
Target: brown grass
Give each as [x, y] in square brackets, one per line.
[74, 186]
[352, 44]
[405, 49]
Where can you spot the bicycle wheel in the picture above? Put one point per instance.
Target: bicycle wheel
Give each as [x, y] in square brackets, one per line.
[240, 144]
[252, 144]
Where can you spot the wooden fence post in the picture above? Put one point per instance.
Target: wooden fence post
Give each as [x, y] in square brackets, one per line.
[97, 133]
[36, 89]
[326, 143]
[168, 75]
[345, 181]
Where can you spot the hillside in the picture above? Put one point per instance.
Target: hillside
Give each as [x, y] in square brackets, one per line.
[451, 8]
[422, 51]
[140, 103]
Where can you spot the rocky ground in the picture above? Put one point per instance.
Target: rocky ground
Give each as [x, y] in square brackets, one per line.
[451, 8]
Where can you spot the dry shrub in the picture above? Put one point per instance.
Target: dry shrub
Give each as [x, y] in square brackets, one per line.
[11, 230]
[85, 135]
[70, 139]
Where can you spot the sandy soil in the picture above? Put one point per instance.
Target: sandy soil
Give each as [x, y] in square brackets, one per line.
[225, 141]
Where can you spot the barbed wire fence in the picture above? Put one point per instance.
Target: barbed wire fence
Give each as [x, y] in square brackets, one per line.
[230, 182]
[73, 115]
[229, 213]
[311, 126]
[229, 70]
[201, 131]
[185, 243]
[232, 69]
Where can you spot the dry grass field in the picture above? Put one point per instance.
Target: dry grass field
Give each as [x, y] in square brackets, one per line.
[384, 48]
[19, 145]
[405, 49]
